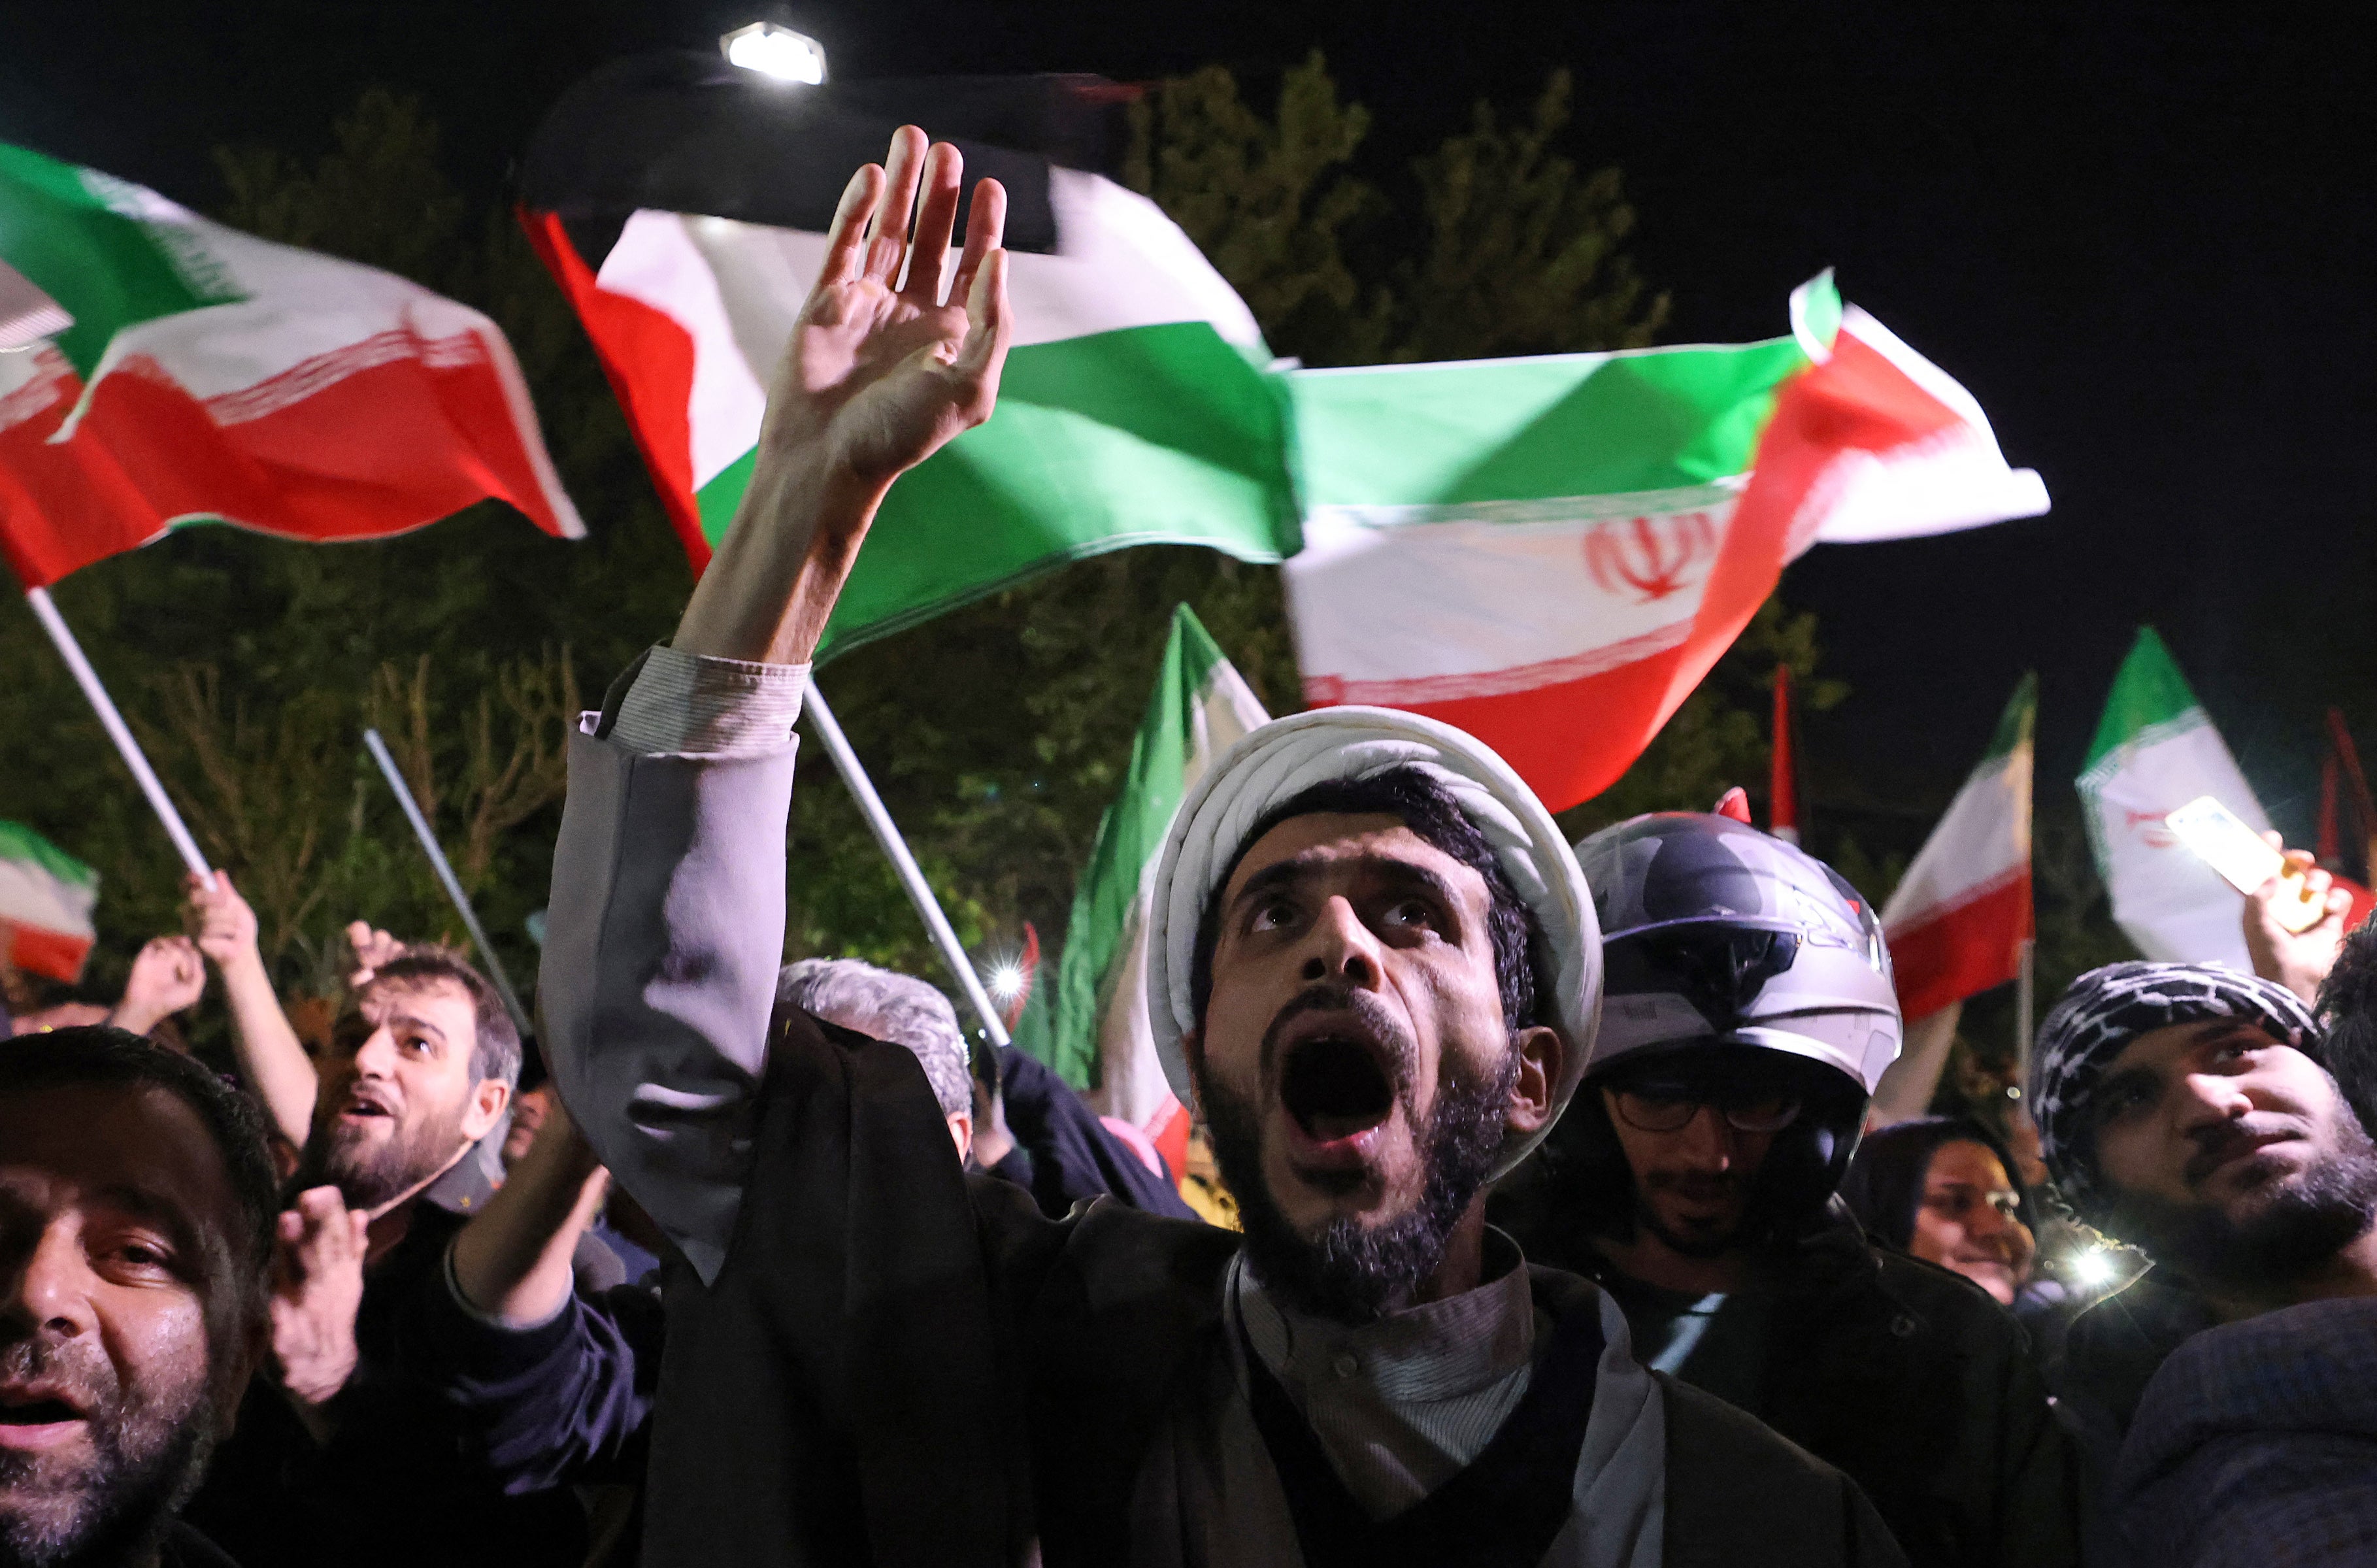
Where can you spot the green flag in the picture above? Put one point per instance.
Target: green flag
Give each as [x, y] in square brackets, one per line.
[1097, 1034]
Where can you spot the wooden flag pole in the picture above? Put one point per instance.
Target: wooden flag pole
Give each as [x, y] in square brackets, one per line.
[110, 720]
[886, 833]
[388, 768]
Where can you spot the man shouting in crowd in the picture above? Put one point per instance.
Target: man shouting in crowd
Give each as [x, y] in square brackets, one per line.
[421, 1065]
[136, 1228]
[1372, 956]
[2191, 1112]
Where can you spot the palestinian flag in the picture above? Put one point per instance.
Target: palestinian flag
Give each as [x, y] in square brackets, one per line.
[46, 898]
[681, 204]
[1099, 1037]
[165, 369]
[2154, 751]
[1959, 917]
[1550, 553]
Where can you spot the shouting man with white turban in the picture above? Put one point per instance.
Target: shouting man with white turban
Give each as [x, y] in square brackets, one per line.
[1378, 968]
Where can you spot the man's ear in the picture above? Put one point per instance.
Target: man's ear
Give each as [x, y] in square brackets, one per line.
[962, 1134]
[1542, 1054]
[487, 1107]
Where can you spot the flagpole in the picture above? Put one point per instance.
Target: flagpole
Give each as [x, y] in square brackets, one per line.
[388, 768]
[2025, 999]
[886, 833]
[112, 722]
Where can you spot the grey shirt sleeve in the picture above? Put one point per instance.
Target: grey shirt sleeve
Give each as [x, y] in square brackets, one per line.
[666, 930]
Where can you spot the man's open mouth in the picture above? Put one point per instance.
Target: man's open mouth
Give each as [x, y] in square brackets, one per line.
[34, 1418]
[1335, 1086]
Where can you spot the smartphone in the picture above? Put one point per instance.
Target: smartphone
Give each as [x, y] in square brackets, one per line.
[2243, 858]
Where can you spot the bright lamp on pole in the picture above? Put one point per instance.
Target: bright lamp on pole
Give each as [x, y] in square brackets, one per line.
[777, 51]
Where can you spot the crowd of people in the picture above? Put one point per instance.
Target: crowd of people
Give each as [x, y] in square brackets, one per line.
[1562, 1235]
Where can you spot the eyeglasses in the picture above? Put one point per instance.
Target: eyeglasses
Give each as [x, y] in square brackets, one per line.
[1664, 1109]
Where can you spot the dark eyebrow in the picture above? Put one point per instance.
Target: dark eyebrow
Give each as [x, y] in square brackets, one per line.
[1407, 873]
[154, 1206]
[422, 1024]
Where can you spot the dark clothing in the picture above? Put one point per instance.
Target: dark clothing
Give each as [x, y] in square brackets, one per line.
[896, 1365]
[1910, 1379]
[1503, 1510]
[2256, 1446]
[1074, 1159]
[399, 1482]
[183, 1547]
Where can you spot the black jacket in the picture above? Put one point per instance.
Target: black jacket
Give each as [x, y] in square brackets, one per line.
[404, 1480]
[1919, 1386]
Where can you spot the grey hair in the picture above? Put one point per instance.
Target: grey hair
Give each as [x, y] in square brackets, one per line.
[889, 1005]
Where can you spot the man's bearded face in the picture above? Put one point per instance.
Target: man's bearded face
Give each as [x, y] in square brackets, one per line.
[130, 1320]
[1354, 1062]
[2229, 1155]
[398, 1102]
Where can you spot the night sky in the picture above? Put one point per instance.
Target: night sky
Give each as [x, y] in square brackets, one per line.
[2141, 238]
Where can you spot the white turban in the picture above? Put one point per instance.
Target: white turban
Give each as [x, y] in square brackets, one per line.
[1272, 764]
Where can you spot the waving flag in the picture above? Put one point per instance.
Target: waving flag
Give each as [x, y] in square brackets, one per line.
[164, 368]
[1959, 917]
[1547, 552]
[1550, 553]
[1100, 1039]
[2154, 751]
[46, 899]
[683, 212]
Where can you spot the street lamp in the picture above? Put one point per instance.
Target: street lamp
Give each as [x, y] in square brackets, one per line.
[774, 51]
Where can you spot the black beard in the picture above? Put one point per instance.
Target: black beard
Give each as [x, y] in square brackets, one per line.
[372, 1178]
[148, 1462]
[1647, 1219]
[2305, 1222]
[1351, 1272]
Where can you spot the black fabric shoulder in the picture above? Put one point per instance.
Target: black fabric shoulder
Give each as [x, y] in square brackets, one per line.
[1738, 1493]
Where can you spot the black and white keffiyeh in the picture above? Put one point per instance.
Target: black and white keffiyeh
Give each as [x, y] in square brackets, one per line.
[2107, 1008]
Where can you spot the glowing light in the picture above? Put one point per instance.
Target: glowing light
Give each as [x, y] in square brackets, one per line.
[1005, 982]
[777, 51]
[2093, 1268]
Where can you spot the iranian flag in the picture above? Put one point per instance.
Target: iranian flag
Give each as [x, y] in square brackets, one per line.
[1959, 917]
[1098, 1035]
[165, 369]
[1550, 553]
[46, 899]
[2154, 751]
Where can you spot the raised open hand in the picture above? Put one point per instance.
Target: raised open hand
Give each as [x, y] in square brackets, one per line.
[880, 372]
[317, 1288]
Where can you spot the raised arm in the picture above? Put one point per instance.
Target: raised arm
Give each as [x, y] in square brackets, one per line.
[666, 921]
[271, 1057]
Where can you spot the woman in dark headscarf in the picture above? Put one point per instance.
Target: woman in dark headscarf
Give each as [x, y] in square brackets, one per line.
[1944, 1188]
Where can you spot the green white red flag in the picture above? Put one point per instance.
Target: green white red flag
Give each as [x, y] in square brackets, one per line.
[1547, 552]
[2154, 751]
[165, 369]
[1959, 917]
[46, 899]
[1098, 1037]
[1550, 553]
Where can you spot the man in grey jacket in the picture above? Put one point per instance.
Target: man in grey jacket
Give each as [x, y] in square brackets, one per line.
[1373, 958]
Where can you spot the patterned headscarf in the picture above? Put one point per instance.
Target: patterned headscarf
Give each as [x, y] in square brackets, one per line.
[2107, 1008]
